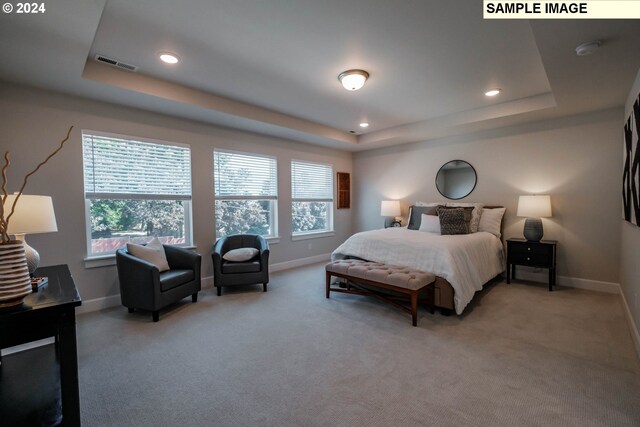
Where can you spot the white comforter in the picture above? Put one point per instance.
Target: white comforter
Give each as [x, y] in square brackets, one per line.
[466, 261]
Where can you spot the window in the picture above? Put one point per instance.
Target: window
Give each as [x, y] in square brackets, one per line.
[134, 190]
[311, 197]
[246, 193]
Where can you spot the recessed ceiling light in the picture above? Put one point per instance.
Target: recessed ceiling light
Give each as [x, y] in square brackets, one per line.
[493, 92]
[169, 58]
[353, 79]
[364, 124]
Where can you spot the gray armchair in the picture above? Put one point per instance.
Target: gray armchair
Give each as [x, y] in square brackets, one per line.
[254, 271]
[142, 286]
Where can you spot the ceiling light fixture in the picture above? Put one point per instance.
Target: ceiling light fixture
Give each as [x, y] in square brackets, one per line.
[169, 58]
[493, 92]
[364, 124]
[588, 48]
[353, 79]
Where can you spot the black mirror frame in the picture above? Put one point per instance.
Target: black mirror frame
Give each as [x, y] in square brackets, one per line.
[475, 182]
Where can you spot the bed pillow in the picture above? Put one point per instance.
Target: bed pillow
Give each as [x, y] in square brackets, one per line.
[153, 253]
[452, 221]
[415, 215]
[429, 204]
[468, 214]
[476, 214]
[430, 223]
[240, 254]
[490, 221]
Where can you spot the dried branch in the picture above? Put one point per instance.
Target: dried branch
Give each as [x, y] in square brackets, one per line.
[26, 179]
[3, 223]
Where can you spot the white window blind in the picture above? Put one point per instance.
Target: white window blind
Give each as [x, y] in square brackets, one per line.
[311, 181]
[117, 168]
[244, 176]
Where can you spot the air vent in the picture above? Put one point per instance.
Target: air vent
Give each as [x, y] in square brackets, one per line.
[115, 63]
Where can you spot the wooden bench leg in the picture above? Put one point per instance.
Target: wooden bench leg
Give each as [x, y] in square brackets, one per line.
[414, 308]
[431, 298]
[328, 283]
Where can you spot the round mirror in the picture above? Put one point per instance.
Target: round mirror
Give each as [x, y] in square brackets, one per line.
[456, 179]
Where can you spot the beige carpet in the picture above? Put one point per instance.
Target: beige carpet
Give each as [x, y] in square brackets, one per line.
[519, 356]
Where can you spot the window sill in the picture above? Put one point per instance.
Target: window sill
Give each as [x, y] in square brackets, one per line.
[271, 240]
[107, 260]
[100, 261]
[315, 235]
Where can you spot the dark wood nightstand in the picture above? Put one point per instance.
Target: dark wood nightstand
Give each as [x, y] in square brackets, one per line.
[540, 254]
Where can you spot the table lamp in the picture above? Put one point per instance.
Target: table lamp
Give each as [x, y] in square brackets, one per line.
[534, 208]
[390, 208]
[32, 215]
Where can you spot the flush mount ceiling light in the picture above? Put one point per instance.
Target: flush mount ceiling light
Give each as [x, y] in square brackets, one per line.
[364, 124]
[353, 79]
[169, 58]
[588, 48]
[493, 92]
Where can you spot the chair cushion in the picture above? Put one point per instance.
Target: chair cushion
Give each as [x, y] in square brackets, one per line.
[173, 278]
[240, 267]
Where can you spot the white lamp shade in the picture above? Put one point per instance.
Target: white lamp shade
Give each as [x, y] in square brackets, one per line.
[33, 214]
[390, 208]
[534, 206]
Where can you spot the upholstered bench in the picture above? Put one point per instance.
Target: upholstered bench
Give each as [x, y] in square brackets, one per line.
[404, 280]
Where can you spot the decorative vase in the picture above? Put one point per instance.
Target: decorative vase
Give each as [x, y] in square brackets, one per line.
[15, 282]
[533, 230]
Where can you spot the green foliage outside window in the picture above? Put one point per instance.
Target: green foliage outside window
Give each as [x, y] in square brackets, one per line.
[309, 216]
[243, 217]
[134, 217]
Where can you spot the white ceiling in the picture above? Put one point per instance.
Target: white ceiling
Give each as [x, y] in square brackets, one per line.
[271, 66]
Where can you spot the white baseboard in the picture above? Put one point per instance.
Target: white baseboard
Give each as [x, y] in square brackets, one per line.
[635, 335]
[300, 262]
[207, 283]
[571, 282]
[98, 304]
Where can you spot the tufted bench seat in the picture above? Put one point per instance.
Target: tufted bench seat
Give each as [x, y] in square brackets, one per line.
[404, 280]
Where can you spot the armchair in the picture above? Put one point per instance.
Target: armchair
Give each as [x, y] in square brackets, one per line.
[142, 286]
[253, 271]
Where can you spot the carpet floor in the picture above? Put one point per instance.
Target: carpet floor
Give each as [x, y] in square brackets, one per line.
[518, 356]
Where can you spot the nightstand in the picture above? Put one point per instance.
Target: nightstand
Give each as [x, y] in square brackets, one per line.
[540, 254]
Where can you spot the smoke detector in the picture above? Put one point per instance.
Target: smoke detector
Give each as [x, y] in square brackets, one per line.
[588, 48]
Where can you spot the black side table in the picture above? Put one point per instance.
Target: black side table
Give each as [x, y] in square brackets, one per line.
[540, 254]
[50, 312]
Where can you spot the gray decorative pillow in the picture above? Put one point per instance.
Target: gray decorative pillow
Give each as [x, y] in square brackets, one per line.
[452, 221]
[415, 215]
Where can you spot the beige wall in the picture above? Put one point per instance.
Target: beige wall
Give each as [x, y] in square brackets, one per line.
[630, 239]
[576, 160]
[32, 122]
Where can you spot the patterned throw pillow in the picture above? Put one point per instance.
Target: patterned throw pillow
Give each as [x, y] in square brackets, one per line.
[468, 215]
[452, 221]
[475, 216]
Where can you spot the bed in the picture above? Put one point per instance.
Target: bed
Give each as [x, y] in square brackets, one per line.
[462, 263]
